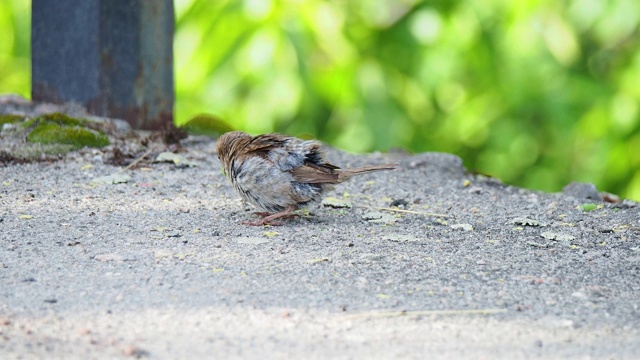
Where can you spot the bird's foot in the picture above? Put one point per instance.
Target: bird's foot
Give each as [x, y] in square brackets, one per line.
[262, 213]
[286, 216]
[268, 218]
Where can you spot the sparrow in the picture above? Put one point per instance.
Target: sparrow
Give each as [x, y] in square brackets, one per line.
[278, 173]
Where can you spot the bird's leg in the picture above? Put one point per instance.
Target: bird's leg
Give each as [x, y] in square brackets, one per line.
[262, 213]
[268, 220]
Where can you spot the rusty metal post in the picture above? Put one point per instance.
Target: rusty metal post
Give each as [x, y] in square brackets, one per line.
[114, 57]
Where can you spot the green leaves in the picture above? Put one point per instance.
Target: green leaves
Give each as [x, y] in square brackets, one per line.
[526, 91]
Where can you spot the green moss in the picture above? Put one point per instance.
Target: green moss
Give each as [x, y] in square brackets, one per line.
[63, 119]
[76, 136]
[57, 118]
[59, 132]
[10, 119]
[206, 124]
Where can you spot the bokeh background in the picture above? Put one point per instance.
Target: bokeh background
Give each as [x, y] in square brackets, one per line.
[535, 92]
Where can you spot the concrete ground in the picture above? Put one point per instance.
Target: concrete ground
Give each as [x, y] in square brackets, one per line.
[159, 266]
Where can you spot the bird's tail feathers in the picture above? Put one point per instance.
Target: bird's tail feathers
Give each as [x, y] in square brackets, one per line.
[345, 174]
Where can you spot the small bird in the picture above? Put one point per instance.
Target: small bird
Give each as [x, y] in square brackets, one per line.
[279, 173]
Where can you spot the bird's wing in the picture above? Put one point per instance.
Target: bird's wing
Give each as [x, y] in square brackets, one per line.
[315, 174]
[303, 159]
[275, 148]
[265, 142]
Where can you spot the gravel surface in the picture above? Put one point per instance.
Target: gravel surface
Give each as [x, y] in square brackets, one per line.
[160, 267]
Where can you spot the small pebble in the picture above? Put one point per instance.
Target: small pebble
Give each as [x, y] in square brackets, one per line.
[538, 343]
[466, 227]
[398, 203]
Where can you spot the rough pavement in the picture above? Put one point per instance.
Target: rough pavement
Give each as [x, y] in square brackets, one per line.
[160, 266]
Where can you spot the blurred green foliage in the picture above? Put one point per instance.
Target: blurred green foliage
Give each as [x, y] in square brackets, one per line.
[15, 48]
[535, 92]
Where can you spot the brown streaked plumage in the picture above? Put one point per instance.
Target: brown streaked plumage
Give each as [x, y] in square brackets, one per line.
[279, 173]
